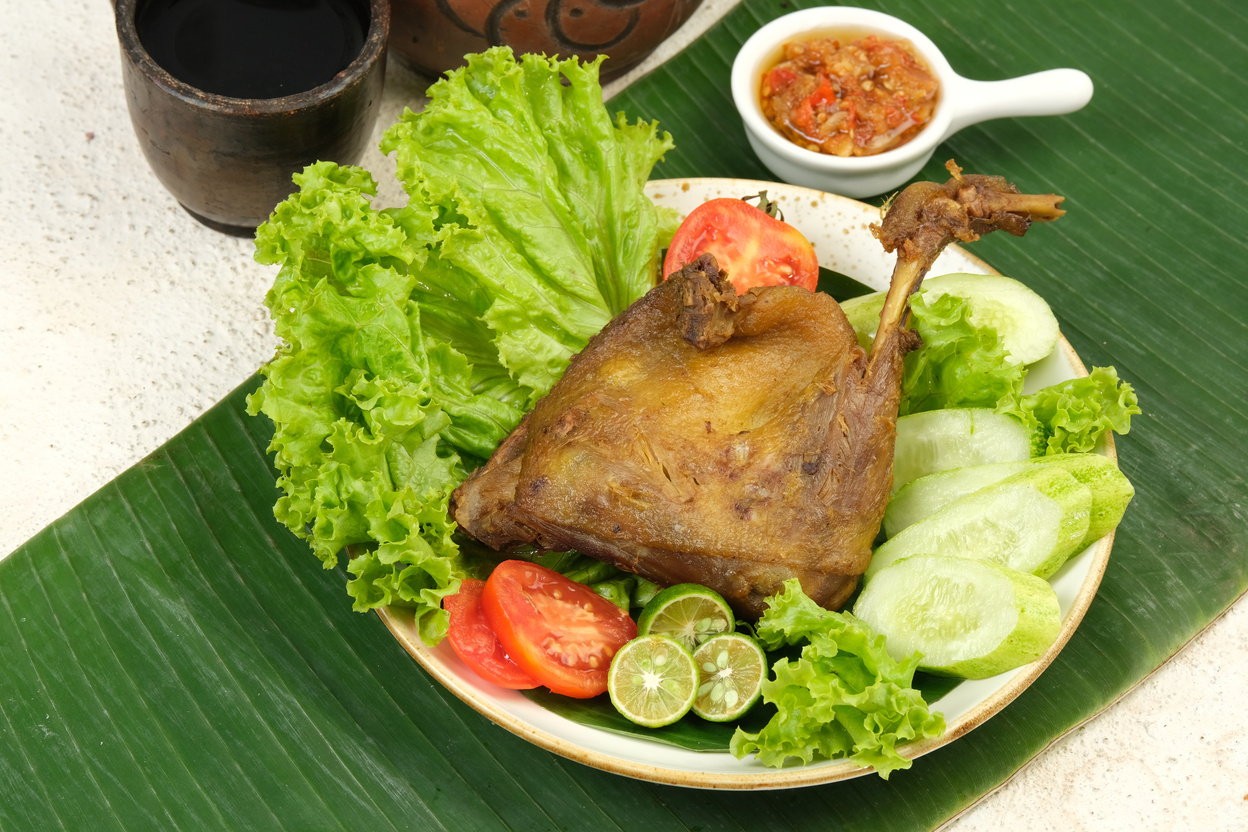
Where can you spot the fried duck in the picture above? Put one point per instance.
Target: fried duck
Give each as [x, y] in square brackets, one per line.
[734, 442]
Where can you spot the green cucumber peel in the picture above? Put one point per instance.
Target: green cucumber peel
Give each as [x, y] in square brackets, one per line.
[1111, 490]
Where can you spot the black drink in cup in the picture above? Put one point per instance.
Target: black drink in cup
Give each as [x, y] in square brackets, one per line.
[253, 48]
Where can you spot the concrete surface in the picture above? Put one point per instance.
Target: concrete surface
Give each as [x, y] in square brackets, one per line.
[123, 320]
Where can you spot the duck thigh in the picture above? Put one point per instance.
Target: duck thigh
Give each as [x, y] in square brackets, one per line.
[735, 442]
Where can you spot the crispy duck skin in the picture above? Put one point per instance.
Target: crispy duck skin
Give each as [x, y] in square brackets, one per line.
[731, 442]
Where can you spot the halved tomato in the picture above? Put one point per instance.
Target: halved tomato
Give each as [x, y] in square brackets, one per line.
[561, 633]
[474, 641]
[751, 245]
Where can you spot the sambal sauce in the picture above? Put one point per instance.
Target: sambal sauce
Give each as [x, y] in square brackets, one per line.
[849, 99]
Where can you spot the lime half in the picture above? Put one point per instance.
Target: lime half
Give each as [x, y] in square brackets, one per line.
[689, 613]
[732, 668]
[652, 680]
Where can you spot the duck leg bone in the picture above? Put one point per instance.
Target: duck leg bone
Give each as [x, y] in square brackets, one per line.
[927, 216]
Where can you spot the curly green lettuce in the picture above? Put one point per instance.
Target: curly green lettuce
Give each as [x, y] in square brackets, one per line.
[1071, 416]
[845, 697]
[959, 364]
[415, 338]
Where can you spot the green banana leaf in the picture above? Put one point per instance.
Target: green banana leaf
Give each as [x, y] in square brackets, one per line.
[172, 658]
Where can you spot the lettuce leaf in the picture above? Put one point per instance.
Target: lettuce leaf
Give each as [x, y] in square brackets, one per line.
[959, 364]
[415, 338]
[1071, 416]
[845, 697]
[544, 233]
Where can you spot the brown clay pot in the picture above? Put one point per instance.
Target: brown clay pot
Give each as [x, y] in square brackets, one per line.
[229, 161]
[434, 35]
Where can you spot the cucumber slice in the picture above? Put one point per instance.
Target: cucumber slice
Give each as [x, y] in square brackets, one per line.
[940, 440]
[1020, 316]
[923, 497]
[1032, 521]
[1111, 490]
[967, 618]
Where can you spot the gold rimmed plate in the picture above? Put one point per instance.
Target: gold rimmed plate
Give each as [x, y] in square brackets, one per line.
[839, 228]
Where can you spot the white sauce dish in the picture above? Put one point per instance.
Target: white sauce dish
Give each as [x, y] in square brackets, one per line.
[961, 102]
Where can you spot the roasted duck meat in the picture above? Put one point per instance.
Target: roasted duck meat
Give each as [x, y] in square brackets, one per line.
[732, 442]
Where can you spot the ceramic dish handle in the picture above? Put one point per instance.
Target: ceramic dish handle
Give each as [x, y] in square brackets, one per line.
[1049, 93]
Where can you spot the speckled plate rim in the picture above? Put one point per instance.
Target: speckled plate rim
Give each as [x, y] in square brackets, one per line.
[839, 229]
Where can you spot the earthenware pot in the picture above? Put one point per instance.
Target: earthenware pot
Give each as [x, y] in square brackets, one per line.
[229, 161]
[434, 35]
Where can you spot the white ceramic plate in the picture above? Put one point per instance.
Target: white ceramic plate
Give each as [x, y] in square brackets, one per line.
[839, 229]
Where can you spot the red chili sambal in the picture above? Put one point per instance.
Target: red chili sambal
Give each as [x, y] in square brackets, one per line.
[853, 99]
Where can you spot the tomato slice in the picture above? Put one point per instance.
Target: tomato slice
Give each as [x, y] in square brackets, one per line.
[561, 633]
[473, 641]
[754, 248]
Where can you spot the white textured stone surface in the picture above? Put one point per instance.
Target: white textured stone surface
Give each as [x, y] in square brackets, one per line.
[123, 320]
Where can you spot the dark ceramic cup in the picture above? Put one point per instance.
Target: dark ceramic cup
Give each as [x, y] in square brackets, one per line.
[229, 161]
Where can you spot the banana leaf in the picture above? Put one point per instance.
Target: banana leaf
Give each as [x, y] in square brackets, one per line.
[172, 658]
